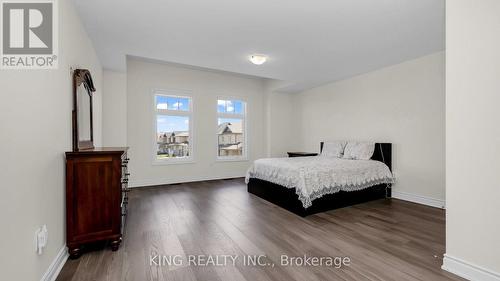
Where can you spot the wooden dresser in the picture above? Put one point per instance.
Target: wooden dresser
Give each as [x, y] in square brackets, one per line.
[96, 197]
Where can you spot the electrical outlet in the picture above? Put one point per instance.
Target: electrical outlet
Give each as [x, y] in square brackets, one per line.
[41, 238]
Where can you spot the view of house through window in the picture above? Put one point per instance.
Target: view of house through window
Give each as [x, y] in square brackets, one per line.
[231, 128]
[173, 118]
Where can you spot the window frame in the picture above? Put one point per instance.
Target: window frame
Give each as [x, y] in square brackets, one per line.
[244, 117]
[189, 113]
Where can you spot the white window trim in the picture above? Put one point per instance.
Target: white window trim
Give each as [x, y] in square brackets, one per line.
[190, 114]
[243, 116]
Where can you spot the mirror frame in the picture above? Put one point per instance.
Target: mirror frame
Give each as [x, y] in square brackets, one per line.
[82, 76]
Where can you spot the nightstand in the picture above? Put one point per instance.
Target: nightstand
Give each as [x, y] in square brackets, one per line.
[301, 154]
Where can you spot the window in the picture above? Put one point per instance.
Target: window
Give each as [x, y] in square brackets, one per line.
[231, 129]
[173, 127]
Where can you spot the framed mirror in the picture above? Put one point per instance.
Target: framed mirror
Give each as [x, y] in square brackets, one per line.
[83, 88]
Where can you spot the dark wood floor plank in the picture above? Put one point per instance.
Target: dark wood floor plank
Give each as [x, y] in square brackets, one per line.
[286, 231]
[385, 239]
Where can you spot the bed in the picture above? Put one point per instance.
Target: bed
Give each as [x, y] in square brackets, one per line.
[310, 185]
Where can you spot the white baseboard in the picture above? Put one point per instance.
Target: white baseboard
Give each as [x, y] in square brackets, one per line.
[419, 199]
[144, 183]
[467, 270]
[56, 265]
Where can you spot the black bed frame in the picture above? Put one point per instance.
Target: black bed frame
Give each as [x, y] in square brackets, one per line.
[288, 199]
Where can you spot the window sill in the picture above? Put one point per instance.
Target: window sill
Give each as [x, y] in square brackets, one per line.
[172, 162]
[229, 159]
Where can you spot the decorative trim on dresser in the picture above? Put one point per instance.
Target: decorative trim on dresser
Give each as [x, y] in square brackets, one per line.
[96, 197]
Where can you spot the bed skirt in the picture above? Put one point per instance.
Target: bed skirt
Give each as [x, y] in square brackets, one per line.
[288, 199]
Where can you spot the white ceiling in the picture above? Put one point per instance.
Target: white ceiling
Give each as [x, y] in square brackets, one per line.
[309, 42]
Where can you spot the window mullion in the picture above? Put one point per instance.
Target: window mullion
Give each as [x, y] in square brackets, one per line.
[230, 116]
[173, 112]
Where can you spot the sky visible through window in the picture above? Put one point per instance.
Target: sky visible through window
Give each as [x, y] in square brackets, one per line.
[170, 123]
[167, 123]
[172, 103]
[229, 120]
[230, 106]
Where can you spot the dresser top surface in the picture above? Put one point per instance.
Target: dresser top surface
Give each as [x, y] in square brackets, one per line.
[98, 150]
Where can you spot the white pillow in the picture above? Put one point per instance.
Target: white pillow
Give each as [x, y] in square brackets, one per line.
[333, 149]
[359, 150]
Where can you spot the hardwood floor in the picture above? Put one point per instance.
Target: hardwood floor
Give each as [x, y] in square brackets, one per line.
[385, 239]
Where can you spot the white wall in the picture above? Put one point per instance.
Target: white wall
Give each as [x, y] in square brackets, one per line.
[205, 86]
[473, 136]
[281, 133]
[35, 126]
[114, 115]
[402, 104]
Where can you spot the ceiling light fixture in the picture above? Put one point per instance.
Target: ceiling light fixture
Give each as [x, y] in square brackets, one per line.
[258, 59]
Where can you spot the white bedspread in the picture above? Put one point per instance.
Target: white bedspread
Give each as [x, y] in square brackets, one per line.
[313, 177]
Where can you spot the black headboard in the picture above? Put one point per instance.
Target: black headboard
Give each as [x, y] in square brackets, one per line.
[382, 153]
